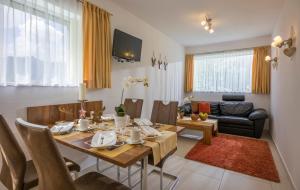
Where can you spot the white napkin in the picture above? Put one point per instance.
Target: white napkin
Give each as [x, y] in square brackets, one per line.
[62, 128]
[149, 131]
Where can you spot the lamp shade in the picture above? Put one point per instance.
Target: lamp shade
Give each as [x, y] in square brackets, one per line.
[278, 40]
[268, 58]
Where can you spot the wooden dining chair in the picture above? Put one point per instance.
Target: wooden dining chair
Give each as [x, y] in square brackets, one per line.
[164, 114]
[52, 172]
[133, 107]
[16, 172]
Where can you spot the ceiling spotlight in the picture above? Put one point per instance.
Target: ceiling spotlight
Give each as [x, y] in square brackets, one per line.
[207, 23]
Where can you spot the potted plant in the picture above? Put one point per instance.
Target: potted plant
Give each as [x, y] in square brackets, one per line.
[120, 117]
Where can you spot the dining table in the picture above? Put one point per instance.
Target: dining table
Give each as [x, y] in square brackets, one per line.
[123, 156]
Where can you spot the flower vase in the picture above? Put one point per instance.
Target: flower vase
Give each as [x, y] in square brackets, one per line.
[121, 122]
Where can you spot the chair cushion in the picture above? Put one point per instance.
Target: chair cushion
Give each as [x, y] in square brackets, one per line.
[240, 109]
[96, 181]
[234, 120]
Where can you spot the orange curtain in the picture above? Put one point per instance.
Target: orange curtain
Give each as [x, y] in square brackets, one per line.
[261, 71]
[189, 73]
[97, 56]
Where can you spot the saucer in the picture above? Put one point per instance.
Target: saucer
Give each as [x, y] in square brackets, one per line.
[83, 130]
[136, 142]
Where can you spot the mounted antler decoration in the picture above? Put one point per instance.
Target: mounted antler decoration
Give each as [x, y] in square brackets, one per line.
[153, 60]
[165, 63]
[160, 62]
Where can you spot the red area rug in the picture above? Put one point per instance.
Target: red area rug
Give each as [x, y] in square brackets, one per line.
[245, 155]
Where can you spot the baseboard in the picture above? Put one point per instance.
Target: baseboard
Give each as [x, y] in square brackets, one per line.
[285, 165]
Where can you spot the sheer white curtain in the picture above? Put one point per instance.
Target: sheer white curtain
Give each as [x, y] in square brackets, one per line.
[41, 42]
[168, 85]
[223, 71]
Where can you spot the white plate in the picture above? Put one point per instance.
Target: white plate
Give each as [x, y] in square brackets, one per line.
[62, 128]
[107, 117]
[137, 142]
[90, 127]
[104, 139]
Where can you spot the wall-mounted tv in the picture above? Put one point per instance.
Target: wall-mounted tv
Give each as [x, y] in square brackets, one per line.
[126, 47]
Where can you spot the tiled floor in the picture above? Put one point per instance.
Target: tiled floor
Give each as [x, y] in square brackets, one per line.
[199, 176]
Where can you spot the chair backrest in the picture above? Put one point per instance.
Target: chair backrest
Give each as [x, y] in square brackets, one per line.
[133, 107]
[165, 114]
[49, 114]
[52, 171]
[13, 159]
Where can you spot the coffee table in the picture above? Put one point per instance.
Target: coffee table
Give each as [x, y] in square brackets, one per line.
[209, 127]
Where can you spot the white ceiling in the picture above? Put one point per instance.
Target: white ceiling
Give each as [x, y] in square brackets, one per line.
[232, 19]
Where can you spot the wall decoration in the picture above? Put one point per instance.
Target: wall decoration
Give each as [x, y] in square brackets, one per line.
[165, 63]
[153, 60]
[160, 62]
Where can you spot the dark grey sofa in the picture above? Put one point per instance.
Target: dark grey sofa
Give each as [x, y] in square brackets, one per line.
[234, 115]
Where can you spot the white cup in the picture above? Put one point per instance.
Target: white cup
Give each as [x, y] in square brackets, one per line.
[83, 124]
[135, 135]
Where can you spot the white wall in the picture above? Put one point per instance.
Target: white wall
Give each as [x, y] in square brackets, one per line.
[260, 101]
[285, 93]
[13, 100]
[233, 45]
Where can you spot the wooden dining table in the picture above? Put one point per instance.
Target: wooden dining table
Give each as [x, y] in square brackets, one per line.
[80, 140]
[134, 153]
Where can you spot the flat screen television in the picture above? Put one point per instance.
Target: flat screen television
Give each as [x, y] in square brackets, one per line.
[126, 47]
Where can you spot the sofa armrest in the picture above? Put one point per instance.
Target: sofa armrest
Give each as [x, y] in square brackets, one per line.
[258, 114]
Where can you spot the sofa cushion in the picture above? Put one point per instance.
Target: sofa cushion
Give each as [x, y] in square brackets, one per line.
[233, 97]
[195, 106]
[204, 107]
[215, 108]
[232, 120]
[240, 109]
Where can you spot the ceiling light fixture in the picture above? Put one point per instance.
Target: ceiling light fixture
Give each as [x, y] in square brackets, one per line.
[207, 23]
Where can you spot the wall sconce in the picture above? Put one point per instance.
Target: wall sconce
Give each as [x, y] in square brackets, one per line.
[273, 61]
[288, 44]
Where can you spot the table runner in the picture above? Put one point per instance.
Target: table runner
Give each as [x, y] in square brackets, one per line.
[160, 146]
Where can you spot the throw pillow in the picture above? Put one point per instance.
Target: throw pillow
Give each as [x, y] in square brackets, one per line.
[204, 107]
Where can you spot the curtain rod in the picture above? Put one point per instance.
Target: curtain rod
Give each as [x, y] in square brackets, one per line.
[83, 1]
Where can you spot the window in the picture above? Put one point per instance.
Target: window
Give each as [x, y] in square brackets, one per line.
[223, 71]
[40, 43]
